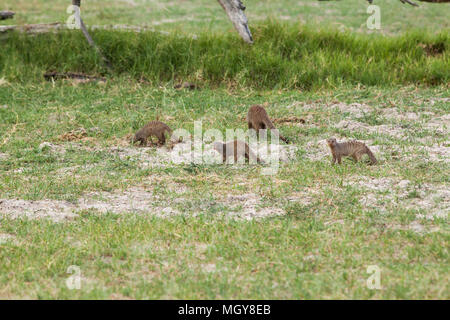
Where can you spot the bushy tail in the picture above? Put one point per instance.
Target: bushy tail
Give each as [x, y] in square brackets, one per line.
[269, 125]
[372, 158]
[286, 140]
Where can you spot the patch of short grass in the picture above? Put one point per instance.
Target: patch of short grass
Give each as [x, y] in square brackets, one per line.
[202, 258]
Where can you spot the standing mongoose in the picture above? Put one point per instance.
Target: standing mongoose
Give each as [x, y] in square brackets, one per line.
[257, 119]
[153, 128]
[236, 149]
[354, 149]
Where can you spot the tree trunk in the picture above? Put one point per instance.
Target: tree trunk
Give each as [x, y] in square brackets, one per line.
[235, 11]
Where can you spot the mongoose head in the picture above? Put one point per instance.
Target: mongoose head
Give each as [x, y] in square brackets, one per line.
[218, 146]
[331, 142]
[137, 138]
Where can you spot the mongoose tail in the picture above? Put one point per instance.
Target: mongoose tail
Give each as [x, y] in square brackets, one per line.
[269, 124]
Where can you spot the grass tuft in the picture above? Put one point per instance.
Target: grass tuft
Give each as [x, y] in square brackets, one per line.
[283, 56]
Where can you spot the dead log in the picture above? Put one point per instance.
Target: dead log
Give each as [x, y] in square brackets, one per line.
[80, 77]
[34, 28]
[235, 11]
[6, 15]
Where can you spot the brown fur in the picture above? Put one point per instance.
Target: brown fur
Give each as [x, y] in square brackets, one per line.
[236, 149]
[186, 85]
[257, 119]
[153, 128]
[354, 149]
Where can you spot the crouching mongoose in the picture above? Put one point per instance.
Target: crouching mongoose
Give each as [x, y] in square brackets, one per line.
[257, 119]
[354, 149]
[153, 128]
[236, 149]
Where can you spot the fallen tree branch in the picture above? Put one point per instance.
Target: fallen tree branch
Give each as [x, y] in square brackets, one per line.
[53, 75]
[402, 1]
[235, 11]
[34, 28]
[6, 15]
[409, 2]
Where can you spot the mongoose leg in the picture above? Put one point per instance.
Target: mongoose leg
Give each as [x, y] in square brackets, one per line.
[339, 159]
[161, 138]
[257, 128]
[333, 161]
[247, 157]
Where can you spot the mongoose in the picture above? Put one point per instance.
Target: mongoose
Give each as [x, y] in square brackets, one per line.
[354, 149]
[185, 85]
[257, 119]
[153, 128]
[236, 149]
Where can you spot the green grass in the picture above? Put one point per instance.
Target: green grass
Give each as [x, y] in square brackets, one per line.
[283, 57]
[193, 16]
[204, 258]
[317, 250]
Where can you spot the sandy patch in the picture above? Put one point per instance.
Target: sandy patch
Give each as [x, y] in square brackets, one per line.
[248, 207]
[439, 125]
[3, 156]
[53, 148]
[7, 238]
[432, 101]
[393, 113]
[306, 197]
[55, 210]
[133, 200]
[361, 127]
[388, 192]
[415, 226]
[356, 110]
[434, 153]
[318, 150]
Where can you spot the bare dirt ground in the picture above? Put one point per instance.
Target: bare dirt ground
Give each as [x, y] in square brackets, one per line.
[139, 200]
